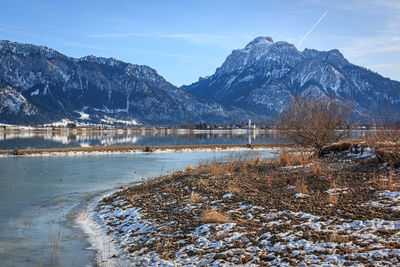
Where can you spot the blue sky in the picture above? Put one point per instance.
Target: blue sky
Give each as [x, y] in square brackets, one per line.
[184, 40]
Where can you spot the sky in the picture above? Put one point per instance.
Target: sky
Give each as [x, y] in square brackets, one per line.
[187, 39]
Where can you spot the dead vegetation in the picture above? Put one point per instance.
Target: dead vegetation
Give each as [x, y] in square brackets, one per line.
[213, 216]
[314, 122]
[195, 198]
[293, 158]
[385, 139]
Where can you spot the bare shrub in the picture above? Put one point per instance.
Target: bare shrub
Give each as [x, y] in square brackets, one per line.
[314, 122]
[214, 216]
[385, 139]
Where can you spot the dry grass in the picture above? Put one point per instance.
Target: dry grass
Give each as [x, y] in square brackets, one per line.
[217, 169]
[190, 168]
[195, 198]
[214, 216]
[386, 182]
[132, 198]
[301, 187]
[269, 180]
[333, 199]
[386, 141]
[333, 184]
[221, 236]
[291, 158]
[234, 189]
[317, 171]
[230, 165]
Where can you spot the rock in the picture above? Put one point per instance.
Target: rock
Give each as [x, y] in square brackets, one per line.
[306, 235]
[147, 149]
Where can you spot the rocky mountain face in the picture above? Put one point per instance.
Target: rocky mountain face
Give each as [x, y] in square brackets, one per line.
[14, 105]
[264, 75]
[42, 85]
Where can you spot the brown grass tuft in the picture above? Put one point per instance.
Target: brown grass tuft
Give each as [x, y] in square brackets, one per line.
[195, 198]
[333, 199]
[190, 168]
[385, 138]
[234, 189]
[288, 159]
[214, 216]
[386, 182]
[221, 236]
[301, 187]
[317, 171]
[132, 198]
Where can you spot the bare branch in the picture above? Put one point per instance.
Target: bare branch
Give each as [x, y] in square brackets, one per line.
[314, 122]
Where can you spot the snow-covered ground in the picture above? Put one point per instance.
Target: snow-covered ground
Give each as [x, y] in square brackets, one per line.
[289, 238]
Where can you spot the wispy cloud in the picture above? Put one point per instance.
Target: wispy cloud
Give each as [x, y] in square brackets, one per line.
[312, 28]
[361, 46]
[195, 38]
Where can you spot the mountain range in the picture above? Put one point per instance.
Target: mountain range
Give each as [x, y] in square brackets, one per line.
[264, 75]
[40, 85]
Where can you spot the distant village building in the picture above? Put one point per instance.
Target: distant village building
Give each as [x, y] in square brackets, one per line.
[249, 126]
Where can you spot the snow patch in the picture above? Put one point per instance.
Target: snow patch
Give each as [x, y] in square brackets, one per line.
[36, 92]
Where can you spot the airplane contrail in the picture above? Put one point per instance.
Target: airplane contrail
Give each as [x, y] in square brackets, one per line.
[312, 28]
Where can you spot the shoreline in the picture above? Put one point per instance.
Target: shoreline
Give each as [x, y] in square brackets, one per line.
[100, 242]
[98, 150]
[338, 220]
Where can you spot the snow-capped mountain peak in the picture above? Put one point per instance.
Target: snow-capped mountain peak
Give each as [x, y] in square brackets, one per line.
[264, 75]
[260, 41]
[259, 51]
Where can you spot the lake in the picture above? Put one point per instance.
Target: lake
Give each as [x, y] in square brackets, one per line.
[48, 138]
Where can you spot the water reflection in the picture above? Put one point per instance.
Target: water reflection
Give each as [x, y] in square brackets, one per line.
[75, 138]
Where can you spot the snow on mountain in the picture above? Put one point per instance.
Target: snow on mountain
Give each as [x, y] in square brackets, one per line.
[264, 75]
[108, 90]
[42, 85]
[12, 102]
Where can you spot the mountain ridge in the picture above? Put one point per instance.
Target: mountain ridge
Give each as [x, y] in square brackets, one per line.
[60, 87]
[264, 75]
